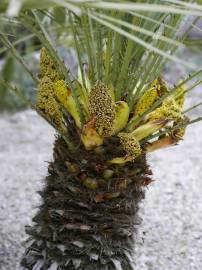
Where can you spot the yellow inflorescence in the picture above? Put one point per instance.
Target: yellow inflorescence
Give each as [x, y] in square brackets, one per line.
[47, 103]
[105, 117]
[53, 112]
[61, 91]
[45, 61]
[52, 73]
[45, 90]
[157, 89]
[102, 107]
[47, 67]
[45, 97]
[146, 101]
[168, 110]
[130, 144]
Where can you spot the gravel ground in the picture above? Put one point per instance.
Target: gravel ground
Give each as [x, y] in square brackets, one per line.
[171, 213]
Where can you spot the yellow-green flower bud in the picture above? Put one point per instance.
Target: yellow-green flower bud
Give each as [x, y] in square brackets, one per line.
[102, 107]
[122, 115]
[64, 96]
[149, 128]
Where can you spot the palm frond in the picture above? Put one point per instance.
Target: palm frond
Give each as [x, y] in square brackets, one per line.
[174, 7]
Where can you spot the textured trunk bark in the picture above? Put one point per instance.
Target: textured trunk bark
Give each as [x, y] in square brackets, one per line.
[89, 211]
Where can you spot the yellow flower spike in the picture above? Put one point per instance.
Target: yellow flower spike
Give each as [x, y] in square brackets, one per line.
[168, 110]
[64, 96]
[132, 147]
[161, 143]
[52, 73]
[130, 144]
[102, 107]
[54, 114]
[89, 136]
[146, 101]
[47, 103]
[47, 67]
[149, 128]
[44, 92]
[122, 115]
[45, 61]
[156, 89]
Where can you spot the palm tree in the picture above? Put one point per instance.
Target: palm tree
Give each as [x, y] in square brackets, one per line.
[107, 118]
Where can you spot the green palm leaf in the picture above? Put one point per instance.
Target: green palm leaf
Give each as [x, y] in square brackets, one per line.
[125, 44]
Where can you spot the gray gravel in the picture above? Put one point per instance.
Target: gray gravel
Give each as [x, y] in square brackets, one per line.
[171, 213]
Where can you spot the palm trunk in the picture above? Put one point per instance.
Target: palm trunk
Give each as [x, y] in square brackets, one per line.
[89, 211]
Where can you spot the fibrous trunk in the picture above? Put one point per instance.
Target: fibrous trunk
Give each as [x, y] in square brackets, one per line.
[88, 216]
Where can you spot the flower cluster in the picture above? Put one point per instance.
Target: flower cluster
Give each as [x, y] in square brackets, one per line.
[156, 90]
[106, 117]
[169, 110]
[45, 97]
[47, 67]
[130, 144]
[102, 107]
